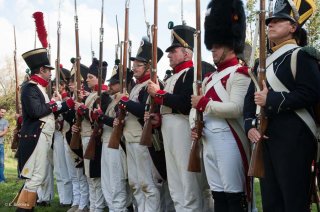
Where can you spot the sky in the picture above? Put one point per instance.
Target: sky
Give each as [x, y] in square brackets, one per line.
[18, 13]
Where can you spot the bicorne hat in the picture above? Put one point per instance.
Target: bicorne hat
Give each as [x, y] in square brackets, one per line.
[181, 36]
[144, 53]
[36, 59]
[293, 10]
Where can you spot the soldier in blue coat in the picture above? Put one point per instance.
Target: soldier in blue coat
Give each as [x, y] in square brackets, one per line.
[288, 96]
[37, 127]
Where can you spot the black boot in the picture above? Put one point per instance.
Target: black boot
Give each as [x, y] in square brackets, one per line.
[220, 201]
[237, 202]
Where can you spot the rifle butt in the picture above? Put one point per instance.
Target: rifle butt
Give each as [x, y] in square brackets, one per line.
[90, 152]
[256, 167]
[115, 137]
[146, 137]
[194, 164]
[75, 140]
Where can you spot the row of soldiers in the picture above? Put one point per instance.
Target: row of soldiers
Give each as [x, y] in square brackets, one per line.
[156, 178]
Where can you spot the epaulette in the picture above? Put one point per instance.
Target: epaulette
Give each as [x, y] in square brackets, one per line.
[313, 52]
[33, 82]
[243, 70]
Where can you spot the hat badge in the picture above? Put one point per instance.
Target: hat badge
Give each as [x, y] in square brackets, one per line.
[279, 6]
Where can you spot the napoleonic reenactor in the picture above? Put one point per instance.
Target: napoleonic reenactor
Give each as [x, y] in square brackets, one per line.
[226, 149]
[63, 179]
[92, 167]
[114, 174]
[146, 167]
[291, 90]
[38, 126]
[74, 157]
[186, 188]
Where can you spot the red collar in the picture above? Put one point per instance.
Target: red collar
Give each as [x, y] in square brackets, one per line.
[64, 95]
[181, 66]
[39, 80]
[103, 87]
[232, 62]
[144, 78]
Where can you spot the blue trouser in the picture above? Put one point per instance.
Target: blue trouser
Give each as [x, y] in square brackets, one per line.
[2, 162]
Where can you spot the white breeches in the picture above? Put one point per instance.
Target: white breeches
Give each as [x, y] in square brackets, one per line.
[37, 165]
[114, 183]
[46, 191]
[223, 163]
[64, 184]
[186, 188]
[144, 179]
[80, 189]
[95, 192]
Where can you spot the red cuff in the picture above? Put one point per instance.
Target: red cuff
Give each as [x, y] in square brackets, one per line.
[20, 119]
[70, 103]
[53, 106]
[243, 70]
[64, 95]
[158, 98]
[96, 114]
[82, 110]
[123, 102]
[124, 99]
[202, 104]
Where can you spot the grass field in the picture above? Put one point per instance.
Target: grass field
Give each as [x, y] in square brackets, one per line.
[9, 189]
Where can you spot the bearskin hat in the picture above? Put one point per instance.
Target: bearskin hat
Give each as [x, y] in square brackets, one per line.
[225, 24]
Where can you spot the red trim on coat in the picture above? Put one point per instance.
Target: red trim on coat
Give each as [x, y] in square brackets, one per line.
[182, 66]
[39, 80]
[158, 98]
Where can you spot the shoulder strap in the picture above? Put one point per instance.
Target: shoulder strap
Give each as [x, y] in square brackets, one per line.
[293, 63]
[278, 86]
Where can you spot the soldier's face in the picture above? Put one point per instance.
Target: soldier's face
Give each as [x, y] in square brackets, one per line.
[280, 30]
[92, 80]
[71, 85]
[45, 73]
[114, 88]
[138, 69]
[176, 56]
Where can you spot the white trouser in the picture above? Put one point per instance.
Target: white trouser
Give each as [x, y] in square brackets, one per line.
[64, 184]
[144, 179]
[80, 187]
[114, 183]
[95, 192]
[40, 163]
[223, 163]
[46, 191]
[186, 188]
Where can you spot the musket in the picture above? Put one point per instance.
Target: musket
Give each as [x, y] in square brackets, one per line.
[76, 137]
[15, 138]
[58, 53]
[92, 52]
[194, 158]
[146, 137]
[256, 167]
[116, 134]
[95, 137]
[182, 18]
[118, 45]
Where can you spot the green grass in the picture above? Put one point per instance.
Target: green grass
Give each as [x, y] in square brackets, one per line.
[9, 189]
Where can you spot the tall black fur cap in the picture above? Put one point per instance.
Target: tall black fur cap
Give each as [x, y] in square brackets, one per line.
[94, 68]
[225, 24]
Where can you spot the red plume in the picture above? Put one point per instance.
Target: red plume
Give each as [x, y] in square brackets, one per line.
[41, 29]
